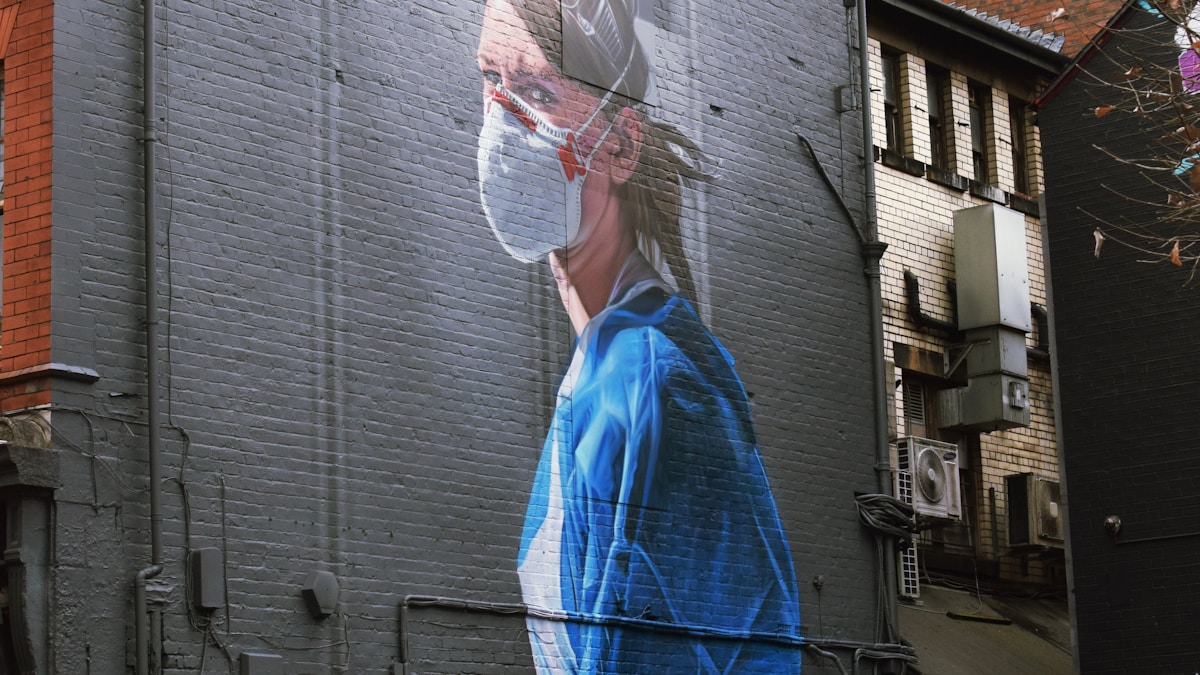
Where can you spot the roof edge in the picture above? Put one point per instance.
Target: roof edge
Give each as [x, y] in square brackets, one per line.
[973, 26]
[1081, 59]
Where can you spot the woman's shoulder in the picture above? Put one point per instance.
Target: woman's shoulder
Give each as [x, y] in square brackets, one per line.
[656, 324]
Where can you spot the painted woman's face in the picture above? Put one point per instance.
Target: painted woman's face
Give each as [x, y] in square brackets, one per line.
[509, 55]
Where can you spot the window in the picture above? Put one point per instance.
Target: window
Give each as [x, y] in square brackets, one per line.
[979, 100]
[891, 101]
[1019, 120]
[937, 84]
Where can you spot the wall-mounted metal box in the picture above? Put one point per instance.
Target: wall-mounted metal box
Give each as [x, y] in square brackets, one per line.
[996, 349]
[987, 403]
[251, 663]
[207, 579]
[991, 267]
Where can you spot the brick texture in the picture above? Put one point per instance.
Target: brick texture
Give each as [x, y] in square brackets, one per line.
[28, 127]
[1127, 372]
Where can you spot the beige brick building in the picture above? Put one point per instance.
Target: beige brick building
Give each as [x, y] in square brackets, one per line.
[953, 129]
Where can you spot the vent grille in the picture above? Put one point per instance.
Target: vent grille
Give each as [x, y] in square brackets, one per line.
[910, 586]
[914, 403]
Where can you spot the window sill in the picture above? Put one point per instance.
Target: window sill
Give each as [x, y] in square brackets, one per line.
[1026, 205]
[901, 163]
[946, 178]
[987, 191]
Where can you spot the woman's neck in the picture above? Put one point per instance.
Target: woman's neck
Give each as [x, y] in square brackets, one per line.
[587, 277]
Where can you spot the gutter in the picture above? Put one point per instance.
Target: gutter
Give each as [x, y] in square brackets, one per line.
[146, 624]
[872, 252]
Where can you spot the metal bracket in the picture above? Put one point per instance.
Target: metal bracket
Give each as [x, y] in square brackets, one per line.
[962, 356]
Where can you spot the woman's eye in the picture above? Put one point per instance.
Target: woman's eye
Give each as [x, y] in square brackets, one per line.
[492, 77]
[540, 96]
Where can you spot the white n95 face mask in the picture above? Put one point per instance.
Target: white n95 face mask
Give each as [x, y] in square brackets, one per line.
[531, 176]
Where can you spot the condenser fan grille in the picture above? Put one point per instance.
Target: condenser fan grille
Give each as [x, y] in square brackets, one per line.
[931, 475]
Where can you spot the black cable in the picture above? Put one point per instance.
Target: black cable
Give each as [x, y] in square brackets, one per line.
[888, 515]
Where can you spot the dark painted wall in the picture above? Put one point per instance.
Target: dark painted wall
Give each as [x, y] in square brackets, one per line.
[1127, 370]
[357, 379]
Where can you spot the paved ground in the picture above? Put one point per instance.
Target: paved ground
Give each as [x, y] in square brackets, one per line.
[957, 633]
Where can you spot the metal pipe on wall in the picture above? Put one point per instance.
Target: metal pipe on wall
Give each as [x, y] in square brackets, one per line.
[873, 251]
[145, 626]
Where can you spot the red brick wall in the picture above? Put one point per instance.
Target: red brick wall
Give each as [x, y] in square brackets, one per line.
[28, 128]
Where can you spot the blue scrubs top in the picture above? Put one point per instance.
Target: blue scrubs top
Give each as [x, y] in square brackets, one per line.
[651, 533]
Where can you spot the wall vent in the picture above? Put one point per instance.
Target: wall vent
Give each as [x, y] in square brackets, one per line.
[909, 581]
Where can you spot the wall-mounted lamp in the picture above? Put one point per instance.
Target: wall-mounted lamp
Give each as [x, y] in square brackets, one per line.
[1112, 525]
[321, 594]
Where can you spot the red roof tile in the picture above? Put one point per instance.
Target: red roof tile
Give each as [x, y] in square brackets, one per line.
[1079, 21]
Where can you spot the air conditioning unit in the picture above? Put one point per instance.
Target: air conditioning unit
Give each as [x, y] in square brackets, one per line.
[933, 468]
[1035, 516]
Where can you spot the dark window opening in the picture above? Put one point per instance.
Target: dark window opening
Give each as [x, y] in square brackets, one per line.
[893, 122]
[937, 82]
[980, 103]
[1018, 119]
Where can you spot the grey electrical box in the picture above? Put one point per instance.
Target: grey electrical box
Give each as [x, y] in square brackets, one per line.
[250, 663]
[207, 578]
[320, 594]
[991, 267]
[988, 403]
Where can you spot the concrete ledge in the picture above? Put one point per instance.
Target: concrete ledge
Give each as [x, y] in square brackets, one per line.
[60, 371]
[23, 466]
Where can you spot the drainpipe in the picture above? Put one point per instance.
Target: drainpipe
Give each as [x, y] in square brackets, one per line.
[872, 251]
[144, 625]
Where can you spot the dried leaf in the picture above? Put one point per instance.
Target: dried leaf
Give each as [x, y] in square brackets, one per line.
[1103, 110]
[1175, 255]
[1099, 242]
[1131, 73]
[1196, 45]
[1058, 14]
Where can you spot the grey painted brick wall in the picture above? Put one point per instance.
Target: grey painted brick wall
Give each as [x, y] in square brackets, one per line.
[357, 378]
[1127, 374]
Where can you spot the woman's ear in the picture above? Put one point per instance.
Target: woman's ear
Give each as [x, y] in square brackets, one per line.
[626, 140]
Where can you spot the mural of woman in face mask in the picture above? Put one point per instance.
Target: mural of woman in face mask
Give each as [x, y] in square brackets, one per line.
[652, 543]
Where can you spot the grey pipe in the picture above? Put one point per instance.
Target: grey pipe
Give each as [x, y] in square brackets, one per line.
[141, 621]
[142, 629]
[873, 251]
[995, 524]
